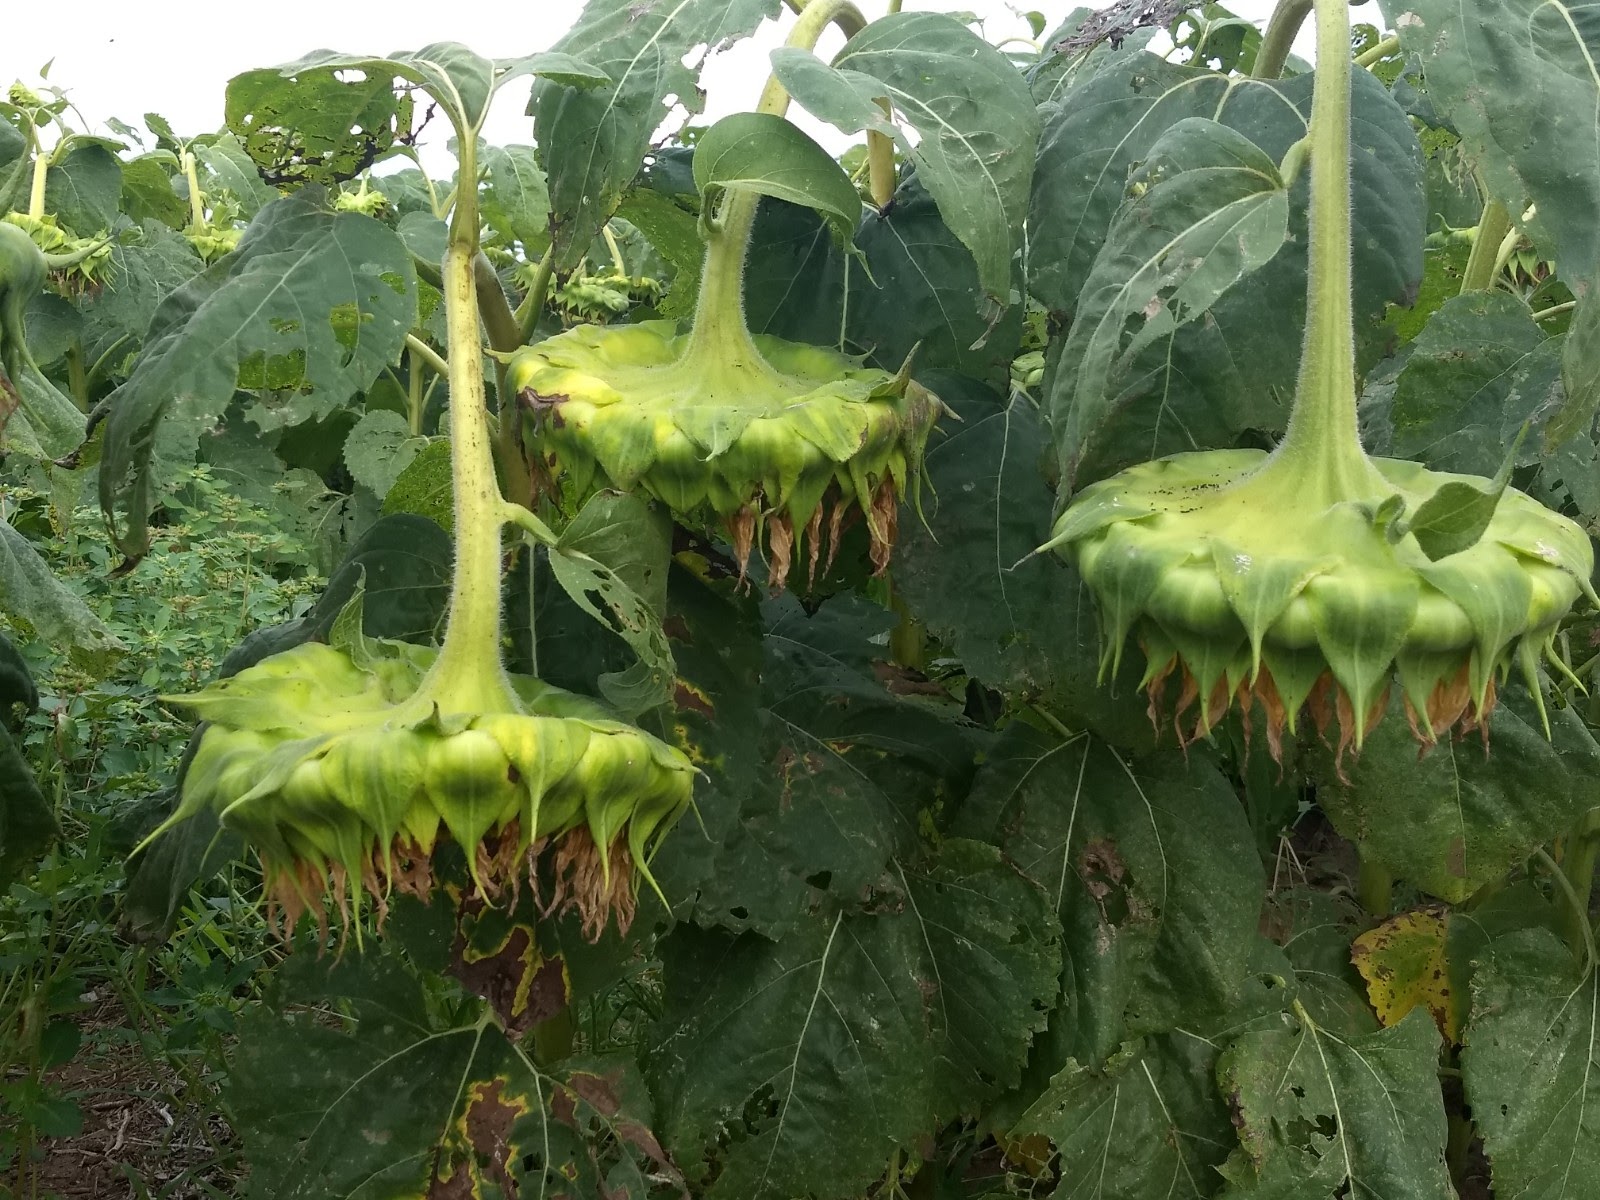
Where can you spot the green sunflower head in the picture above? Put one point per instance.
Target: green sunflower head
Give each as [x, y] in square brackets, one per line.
[1242, 586]
[781, 449]
[344, 790]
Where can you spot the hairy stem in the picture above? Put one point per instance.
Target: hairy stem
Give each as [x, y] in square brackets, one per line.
[197, 204]
[468, 674]
[41, 171]
[1321, 454]
[1282, 27]
[1493, 226]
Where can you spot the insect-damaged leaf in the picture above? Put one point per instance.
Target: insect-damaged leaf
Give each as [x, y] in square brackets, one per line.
[1149, 1123]
[363, 1084]
[1207, 209]
[594, 140]
[311, 301]
[1209, 382]
[855, 1035]
[1152, 870]
[1530, 1066]
[1323, 1115]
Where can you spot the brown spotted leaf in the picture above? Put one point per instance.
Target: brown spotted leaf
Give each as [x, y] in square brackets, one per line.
[1406, 966]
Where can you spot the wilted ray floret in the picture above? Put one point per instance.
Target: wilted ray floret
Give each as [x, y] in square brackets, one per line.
[314, 758]
[1240, 590]
[791, 445]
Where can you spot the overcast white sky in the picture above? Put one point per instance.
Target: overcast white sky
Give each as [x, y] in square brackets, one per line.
[123, 59]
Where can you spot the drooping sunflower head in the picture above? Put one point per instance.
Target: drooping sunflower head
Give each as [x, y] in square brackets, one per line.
[1238, 589]
[313, 756]
[782, 451]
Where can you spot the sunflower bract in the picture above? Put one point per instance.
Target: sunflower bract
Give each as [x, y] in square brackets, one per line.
[790, 446]
[1238, 590]
[314, 758]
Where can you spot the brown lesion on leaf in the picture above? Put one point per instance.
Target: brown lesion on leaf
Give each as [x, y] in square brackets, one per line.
[686, 697]
[520, 984]
[1106, 878]
[480, 1149]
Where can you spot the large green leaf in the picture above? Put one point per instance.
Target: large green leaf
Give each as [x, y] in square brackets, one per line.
[766, 155]
[913, 294]
[146, 267]
[1529, 1064]
[1207, 208]
[854, 1035]
[1321, 1116]
[1150, 866]
[614, 554]
[327, 116]
[1464, 814]
[516, 199]
[1213, 382]
[32, 598]
[401, 1096]
[974, 116]
[816, 775]
[593, 141]
[1150, 1123]
[379, 448]
[1519, 82]
[1023, 625]
[311, 301]
[82, 189]
[1478, 370]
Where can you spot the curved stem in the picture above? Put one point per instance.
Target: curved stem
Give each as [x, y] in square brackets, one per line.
[1578, 868]
[1493, 226]
[719, 334]
[1282, 27]
[1555, 310]
[427, 354]
[468, 671]
[1321, 452]
[1578, 909]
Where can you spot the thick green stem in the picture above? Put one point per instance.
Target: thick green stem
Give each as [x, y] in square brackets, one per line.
[1320, 456]
[1282, 27]
[1375, 888]
[719, 339]
[468, 676]
[505, 336]
[1493, 226]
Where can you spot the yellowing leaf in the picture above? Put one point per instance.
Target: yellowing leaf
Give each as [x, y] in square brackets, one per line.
[1403, 961]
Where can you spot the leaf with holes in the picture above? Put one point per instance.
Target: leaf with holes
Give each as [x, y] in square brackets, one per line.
[1150, 866]
[1323, 1115]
